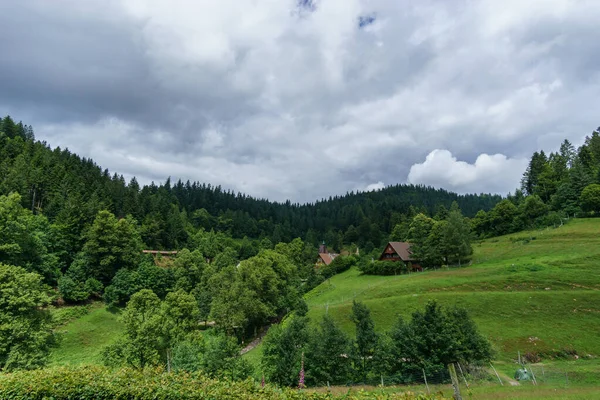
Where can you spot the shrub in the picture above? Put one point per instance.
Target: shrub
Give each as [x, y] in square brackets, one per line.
[375, 267]
[71, 290]
[338, 265]
[92, 382]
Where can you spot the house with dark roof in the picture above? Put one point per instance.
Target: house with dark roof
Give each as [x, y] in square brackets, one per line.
[325, 257]
[400, 251]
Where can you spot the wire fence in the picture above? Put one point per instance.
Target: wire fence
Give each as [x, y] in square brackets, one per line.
[471, 376]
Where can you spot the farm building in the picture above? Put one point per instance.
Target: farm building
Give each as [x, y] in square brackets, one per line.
[400, 251]
[325, 257]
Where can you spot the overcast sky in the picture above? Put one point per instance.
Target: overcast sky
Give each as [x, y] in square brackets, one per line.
[290, 99]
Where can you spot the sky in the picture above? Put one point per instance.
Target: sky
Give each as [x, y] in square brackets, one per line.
[303, 99]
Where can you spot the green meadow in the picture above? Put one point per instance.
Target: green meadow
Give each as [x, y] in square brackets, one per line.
[536, 291]
[84, 335]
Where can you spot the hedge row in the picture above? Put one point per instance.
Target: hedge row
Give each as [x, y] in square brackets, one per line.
[101, 383]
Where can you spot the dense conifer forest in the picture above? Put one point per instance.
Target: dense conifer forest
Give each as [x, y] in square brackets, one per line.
[69, 190]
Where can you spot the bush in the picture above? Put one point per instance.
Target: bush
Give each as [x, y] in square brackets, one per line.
[71, 290]
[338, 265]
[92, 382]
[375, 267]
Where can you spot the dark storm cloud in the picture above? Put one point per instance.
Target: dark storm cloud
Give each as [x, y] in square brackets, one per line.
[304, 99]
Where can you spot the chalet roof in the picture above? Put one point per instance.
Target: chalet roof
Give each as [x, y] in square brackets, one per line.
[327, 257]
[403, 250]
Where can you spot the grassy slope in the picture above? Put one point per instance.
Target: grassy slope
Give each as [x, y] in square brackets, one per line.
[541, 296]
[83, 338]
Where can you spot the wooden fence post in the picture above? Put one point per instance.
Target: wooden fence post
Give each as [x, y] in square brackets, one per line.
[455, 384]
[498, 376]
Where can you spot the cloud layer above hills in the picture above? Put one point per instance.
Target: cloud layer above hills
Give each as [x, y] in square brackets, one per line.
[305, 99]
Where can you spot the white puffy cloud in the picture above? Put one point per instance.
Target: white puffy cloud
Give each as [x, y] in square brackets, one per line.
[488, 174]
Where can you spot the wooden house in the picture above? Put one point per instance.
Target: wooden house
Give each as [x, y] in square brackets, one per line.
[400, 251]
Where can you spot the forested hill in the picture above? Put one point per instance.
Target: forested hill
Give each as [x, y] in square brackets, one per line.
[70, 190]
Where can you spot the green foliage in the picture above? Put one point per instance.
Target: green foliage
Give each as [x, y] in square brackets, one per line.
[25, 239]
[418, 235]
[247, 296]
[590, 198]
[139, 347]
[72, 291]
[433, 339]
[179, 318]
[98, 383]
[110, 245]
[369, 266]
[456, 238]
[25, 323]
[187, 355]
[366, 341]
[222, 358]
[282, 351]
[338, 265]
[327, 355]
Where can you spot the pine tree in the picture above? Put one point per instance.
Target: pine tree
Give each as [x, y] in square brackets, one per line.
[366, 339]
[327, 354]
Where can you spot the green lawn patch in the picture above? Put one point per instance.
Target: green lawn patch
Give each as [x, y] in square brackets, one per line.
[83, 338]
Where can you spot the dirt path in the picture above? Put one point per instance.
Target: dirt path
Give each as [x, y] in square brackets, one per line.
[255, 342]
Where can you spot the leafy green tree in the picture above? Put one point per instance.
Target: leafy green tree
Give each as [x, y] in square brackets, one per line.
[590, 198]
[110, 245]
[437, 245]
[480, 224]
[222, 358]
[532, 208]
[139, 347]
[400, 232]
[228, 257]
[26, 334]
[435, 338]
[282, 351]
[123, 285]
[179, 317]
[24, 239]
[188, 269]
[71, 290]
[457, 237]
[420, 228]
[187, 355]
[327, 355]
[502, 217]
[366, 339]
